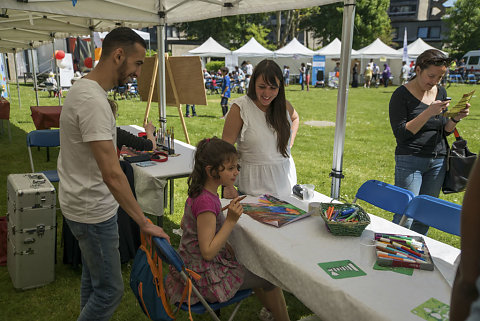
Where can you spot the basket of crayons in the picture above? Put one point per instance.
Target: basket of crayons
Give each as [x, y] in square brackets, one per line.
[344, 219]
[402, 250]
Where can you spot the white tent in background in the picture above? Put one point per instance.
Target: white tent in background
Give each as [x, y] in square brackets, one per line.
[210, 48]
[416, 48]
[294, 48]
[253, 49]
[333, 49]
[377, 49]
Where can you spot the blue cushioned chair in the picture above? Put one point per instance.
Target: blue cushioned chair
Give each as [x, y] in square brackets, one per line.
[44, 138]
[385, 196]
[168, 254]
[435, 212]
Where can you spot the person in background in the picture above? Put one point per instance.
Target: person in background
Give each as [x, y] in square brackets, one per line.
[355, 75]
[286, 76]
[225, 91]
[416, 110]
[368, 74]
[376, 75]
[386, 75]
[187, 114]
[465, 302]
[204, 244]
[92, 183]
[404, 73]
[461, 68]
[248, 68]
[51, 84]
[308, 70]
[302, 75]
[264, 125]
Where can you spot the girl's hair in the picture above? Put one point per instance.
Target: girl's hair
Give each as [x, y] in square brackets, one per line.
[276, 115]
[114, 106]
[210, 152]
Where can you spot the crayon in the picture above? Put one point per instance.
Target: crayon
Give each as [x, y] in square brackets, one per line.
[394, 257]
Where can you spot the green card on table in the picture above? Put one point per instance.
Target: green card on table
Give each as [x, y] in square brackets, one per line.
[341, 269]
[433, 310]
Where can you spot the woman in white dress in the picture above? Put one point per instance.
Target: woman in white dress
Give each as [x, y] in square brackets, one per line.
[264, 125]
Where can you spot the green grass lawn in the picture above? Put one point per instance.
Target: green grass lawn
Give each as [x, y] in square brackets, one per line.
[369, 154]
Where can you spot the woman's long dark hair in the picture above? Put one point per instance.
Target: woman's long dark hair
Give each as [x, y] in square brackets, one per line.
[276, 115]
[210, 152]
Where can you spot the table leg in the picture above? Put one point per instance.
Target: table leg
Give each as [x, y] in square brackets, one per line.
[9, 132]
[172, 183]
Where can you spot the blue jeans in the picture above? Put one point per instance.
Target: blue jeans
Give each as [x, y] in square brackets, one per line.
[421, 176]
[102, 282]
[193, 110]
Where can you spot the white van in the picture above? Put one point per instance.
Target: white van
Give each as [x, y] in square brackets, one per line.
[472, 59]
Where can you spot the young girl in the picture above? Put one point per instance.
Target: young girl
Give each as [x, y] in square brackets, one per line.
[204, 246]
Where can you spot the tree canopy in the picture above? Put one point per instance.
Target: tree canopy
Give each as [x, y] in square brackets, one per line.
[464, 28]
[371, 22]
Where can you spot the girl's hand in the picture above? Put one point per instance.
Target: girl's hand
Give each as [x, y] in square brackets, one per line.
[438, 107]
[463, 113]
[235, 209]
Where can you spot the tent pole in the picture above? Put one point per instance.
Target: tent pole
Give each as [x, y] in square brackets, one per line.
[34, 75]
[92, 44]
[342, 97]
[161, 74]
[16, 76]
[7, 73]
[56, 70]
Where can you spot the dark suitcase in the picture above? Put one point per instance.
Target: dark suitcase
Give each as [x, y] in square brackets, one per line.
[31, 230]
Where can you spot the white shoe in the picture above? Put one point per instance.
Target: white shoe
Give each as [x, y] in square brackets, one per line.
[265, 315]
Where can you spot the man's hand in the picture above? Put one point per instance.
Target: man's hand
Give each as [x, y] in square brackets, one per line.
[154, 230]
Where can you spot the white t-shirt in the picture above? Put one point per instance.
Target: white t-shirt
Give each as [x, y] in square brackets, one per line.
[249, 69]
[86, 116]
[404, 72]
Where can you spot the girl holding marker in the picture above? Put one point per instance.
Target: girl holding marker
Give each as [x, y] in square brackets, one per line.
[203, 245]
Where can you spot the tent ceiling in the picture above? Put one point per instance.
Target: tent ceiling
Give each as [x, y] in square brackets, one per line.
[145, 13]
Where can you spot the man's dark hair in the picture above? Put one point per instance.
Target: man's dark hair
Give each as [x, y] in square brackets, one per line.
[121, 37]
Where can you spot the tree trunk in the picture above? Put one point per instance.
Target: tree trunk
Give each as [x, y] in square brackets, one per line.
[278, 28]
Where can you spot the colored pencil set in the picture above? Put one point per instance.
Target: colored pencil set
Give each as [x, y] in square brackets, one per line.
[341, 215]
[402, 250]
[165, 140]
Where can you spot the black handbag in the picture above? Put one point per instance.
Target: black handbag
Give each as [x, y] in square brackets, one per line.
[460, 161]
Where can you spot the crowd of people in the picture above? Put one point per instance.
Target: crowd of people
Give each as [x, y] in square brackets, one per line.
[92, 184]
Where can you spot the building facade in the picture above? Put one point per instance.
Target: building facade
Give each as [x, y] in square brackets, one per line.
[422, 18]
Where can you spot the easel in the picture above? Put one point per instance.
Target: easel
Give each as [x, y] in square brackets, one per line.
[184, 84]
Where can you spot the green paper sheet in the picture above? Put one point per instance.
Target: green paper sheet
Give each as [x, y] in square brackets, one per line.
[432, 310]
[341, 269]
[397, 269]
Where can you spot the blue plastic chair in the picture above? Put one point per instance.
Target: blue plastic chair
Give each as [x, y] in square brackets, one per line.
[385, 196]
[435, 212]
[44, 138]
[168, 255]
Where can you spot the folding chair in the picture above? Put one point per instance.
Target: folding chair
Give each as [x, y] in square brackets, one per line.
[44, 138]
[385, 196]
[168, 254]
[435, 212]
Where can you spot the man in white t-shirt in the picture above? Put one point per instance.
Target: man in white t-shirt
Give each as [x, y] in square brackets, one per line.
[404, 73]
[92, 183]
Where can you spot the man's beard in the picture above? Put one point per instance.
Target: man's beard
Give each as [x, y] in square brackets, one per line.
[123, 78]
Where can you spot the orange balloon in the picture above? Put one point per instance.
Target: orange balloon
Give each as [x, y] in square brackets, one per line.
[88, 62]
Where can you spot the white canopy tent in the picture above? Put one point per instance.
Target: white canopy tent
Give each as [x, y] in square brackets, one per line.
[416, 48]
[147, 13]
[333, 49]
[253, 49]
[210, 48]
[294, 48]
[377, 49]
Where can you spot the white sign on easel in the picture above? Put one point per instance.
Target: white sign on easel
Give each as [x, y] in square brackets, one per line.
[66, 71]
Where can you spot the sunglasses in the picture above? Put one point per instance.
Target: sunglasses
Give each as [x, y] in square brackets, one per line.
[439, 61]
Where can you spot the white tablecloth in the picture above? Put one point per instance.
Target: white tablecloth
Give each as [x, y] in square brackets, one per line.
[151, 181]
[288, 257]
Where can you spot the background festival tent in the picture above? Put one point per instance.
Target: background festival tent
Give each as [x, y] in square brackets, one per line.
[416, 48]
[332, 53]
[210, 48]
[292, 49]
[253, 49]
[149, 13]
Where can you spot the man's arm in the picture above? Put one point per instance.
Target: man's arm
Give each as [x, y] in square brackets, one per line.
[117, 183]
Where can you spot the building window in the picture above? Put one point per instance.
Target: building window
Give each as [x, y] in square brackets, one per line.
[394, 33]
[422, 32]
[403, 10]
[434, 32]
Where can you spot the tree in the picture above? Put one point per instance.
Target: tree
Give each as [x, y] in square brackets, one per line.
[464, 29]
[371, 22]
[232, 31]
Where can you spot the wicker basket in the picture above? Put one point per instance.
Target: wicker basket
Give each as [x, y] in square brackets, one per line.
[345, 228]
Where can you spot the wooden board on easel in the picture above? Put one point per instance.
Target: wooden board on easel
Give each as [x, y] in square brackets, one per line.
[187, 79]
[183, 84]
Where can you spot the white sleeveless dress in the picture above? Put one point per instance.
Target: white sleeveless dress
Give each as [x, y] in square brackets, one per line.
[263, 169]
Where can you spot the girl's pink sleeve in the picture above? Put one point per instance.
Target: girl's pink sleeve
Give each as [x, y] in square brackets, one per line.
[203, 203]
